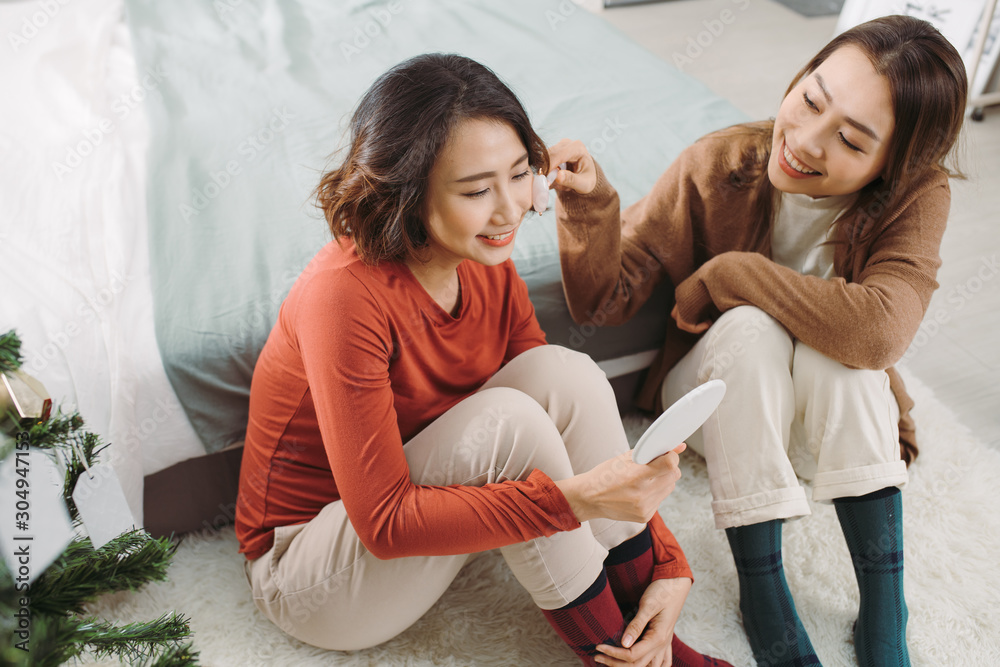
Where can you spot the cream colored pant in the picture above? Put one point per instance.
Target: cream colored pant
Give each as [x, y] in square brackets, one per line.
[788, 411]
[549, 408]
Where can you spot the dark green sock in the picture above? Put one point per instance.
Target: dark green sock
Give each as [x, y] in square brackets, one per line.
[873, 528]
[773, 628]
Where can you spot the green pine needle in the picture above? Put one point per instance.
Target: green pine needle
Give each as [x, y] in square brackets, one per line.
[10, 351]
[63, 438]
[58, 637]
[90, 446]
[56, 431]
[81, 573]
[53, 642]
[134, 641]
[177, 655]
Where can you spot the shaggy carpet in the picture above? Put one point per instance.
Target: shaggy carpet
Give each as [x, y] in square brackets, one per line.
[952, 538]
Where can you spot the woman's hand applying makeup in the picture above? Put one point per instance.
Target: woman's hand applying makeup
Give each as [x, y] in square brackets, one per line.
[576, 172]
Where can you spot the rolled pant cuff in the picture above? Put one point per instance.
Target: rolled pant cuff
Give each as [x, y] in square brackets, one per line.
[855, 482]
[553, 595]
[759, 507]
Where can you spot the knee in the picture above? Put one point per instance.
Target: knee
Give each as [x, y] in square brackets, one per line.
[514, 433]
[508, 407]
[814, 369]
[560, 365]
[746, 336]
[810, 362]
[503, 411]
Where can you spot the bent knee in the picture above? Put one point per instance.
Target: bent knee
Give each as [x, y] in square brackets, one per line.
[522, 434]
[559, 364]
[503, 413]
[810, 364]
[748, 324]
[746, 336]
[503, 406]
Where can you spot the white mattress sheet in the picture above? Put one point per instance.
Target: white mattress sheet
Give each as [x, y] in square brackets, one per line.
[74, 261]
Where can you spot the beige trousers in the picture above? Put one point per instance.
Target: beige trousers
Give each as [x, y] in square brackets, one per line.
[550, 408]
[788, 411]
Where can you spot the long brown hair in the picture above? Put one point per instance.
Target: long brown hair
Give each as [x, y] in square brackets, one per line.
[375, 196]
[928, 86]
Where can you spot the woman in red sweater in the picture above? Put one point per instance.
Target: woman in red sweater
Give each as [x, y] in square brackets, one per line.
[406, 412]
[803, 252]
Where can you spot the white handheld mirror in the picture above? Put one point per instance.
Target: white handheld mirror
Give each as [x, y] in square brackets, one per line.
[679, 421]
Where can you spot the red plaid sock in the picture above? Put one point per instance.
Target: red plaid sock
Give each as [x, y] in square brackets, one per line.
[630, 569]
[685, 656]
[591, 619]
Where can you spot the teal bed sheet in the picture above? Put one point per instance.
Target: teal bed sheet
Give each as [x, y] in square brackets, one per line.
[250, 100]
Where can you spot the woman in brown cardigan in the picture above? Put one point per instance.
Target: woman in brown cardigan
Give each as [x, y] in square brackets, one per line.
[803, 252]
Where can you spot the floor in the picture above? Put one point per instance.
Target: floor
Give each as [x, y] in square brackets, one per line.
[748, 51]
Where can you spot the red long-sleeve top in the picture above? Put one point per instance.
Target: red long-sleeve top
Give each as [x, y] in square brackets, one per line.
[360, 360]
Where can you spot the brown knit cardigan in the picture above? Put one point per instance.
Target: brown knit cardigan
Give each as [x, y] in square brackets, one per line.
[691, 230]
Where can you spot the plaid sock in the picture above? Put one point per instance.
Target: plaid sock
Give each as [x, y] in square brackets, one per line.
[873, 528]
[591, 619]
[685, 656]
[773, 627]
[630, 569]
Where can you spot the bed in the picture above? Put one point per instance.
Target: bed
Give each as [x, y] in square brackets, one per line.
[157, 169]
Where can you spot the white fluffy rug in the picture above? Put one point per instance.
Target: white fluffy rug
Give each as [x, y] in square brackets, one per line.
[952, 552]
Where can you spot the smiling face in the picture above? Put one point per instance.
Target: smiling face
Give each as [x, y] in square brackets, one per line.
[477, 194]
[832, 132]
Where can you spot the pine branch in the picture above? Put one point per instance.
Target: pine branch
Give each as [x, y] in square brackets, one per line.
[54, 640]
[63, 438]
[58, 637]
[90, 445]
[10, 351]
[178, 655]
[82, 573]
[52, 643]
[55, 431]
[134, 641]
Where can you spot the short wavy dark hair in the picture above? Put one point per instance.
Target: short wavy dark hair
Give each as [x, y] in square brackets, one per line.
[375, 196]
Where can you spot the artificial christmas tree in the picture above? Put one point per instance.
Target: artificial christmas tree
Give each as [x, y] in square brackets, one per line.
[42, 619]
